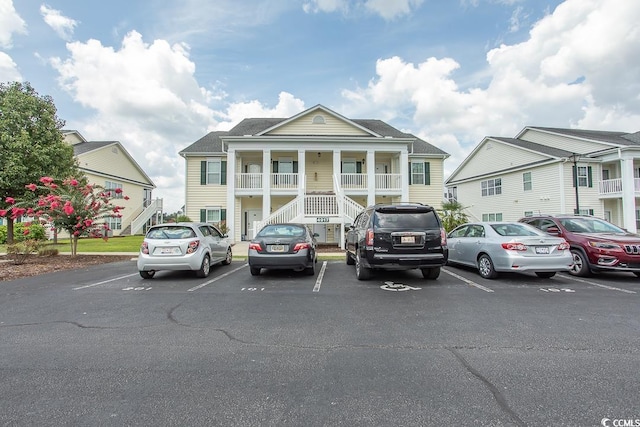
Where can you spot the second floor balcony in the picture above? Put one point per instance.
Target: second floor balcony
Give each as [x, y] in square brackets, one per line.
[252, 183]
[613, 187]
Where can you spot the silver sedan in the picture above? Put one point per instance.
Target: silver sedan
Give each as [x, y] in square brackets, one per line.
[492, 247]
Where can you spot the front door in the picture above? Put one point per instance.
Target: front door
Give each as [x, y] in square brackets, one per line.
[321, 229]
[251, 215]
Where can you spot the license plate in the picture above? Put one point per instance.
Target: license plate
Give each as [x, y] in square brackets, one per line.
[407, 239]
[168, 251]
[542, 250]
[277, 248]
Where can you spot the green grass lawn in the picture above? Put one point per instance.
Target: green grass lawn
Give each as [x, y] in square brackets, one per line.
[88, 244]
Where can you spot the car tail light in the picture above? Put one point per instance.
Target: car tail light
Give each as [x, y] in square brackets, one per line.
[193, 246]
[299, 246]
[514, 246]
[564, 246]
[144, 248]
[368, 240]
[443, 237]
[255, 246]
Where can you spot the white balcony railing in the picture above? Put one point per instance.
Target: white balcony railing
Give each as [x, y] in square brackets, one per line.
[249, 180]
[614, 186]
[353, 181]
[388, 181]
[284, 181]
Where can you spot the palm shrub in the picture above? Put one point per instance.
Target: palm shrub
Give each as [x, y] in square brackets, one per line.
[452, 214]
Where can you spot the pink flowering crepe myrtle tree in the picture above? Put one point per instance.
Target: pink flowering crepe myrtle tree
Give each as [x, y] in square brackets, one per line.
[71, 206]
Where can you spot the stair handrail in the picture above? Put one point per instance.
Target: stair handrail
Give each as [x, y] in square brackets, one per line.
[138, 222]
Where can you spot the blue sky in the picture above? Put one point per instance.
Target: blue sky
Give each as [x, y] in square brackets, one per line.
[157, 75]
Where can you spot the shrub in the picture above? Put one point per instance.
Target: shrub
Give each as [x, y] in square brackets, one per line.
[3, 234]
[20, 251]
[48, 252]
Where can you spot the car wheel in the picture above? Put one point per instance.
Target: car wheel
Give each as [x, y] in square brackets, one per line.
[362, 272]
[147, 274]
[431, 273]
[255, 271]
[228, 257]
[204, 267]
[348, 258]
[580, 264]
[545, 274]
[485, 267]
[310, 271]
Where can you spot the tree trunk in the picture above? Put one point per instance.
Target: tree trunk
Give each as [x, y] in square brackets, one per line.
[74, 245]
[9, 230]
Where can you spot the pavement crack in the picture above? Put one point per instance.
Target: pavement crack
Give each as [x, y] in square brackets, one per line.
[498, 396]
[79, 325]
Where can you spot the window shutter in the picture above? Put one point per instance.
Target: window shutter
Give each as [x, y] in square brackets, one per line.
[573, 180]
[358, 167]
[223, 172]
[410, 173]
[275, 166]
[427, 173]
[203, 215]
[295, 166]
[203, 172]
[590, 176]
[223, 214]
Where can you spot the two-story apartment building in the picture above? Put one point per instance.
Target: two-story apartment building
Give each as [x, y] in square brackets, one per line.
[552, 171]
[317, 167]
[109, 164]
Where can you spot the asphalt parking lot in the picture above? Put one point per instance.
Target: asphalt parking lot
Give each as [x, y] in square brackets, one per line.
[102, 346]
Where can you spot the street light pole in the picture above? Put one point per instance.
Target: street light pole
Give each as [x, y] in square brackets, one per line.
[574, 157]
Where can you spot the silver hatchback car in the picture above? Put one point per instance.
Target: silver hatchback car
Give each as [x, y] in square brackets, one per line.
[183, 246]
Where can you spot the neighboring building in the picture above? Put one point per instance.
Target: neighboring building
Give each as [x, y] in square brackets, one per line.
[316, 167]
[535, 172]
[108, 164]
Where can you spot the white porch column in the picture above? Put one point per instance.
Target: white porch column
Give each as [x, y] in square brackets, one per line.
[336, 167]
[266, 184]
[302, 180]
[628, 195]
[231, 195]
[371, 177]
[404, 171]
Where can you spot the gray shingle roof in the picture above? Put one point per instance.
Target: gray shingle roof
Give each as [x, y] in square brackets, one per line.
[85, 147]
[543, 149]
[620, 138]
[211, 143]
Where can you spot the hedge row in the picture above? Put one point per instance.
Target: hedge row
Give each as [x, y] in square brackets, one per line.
[23, 231]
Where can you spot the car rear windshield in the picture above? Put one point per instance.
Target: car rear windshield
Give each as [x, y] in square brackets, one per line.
[399, 219]
[171, 232]
[281, 230]
[514, 230]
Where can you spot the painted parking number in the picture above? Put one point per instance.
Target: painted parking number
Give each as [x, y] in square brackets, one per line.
[556, 290]
[137, 288]
[252, 289]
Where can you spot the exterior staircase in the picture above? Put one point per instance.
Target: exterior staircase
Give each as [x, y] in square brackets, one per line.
[138, 223]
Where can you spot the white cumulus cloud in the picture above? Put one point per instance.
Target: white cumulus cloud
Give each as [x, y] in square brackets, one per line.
[62, 25]
[10, 23]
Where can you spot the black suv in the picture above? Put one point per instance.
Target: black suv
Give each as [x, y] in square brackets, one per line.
[397, 237]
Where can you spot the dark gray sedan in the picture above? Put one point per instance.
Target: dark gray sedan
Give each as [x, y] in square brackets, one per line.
[284, 246]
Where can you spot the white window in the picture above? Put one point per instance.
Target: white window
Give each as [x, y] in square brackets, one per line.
[583, 178]
[528, 213]
[492, 217]
[491, 187]
[111, 187]
[214, 171]
[526, 181]
[113, 222]
[213, 215]
[417, 173]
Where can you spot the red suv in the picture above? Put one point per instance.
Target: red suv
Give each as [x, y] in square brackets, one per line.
[596, 244]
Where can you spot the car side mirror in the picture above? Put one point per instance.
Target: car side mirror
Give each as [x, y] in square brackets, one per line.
[553, 230]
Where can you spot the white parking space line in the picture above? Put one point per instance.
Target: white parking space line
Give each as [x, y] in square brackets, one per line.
[316, 288]
[467, 281]
[598, 284]
[105, 281]
[202, 285]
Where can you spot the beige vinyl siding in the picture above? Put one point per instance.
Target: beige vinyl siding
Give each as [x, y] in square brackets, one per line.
[201, 196]
[494, 155]
[113, 161]
[73, 138]
[319, 172]
[587, 196]
[304, 126]
[429, 194]
[562, 142]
